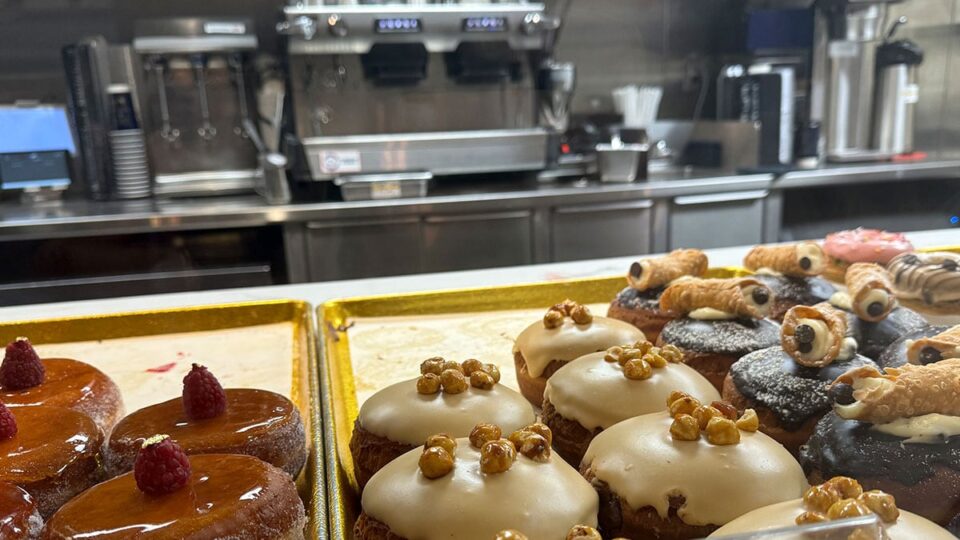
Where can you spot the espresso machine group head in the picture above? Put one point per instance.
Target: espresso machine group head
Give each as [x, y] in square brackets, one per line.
[416, 88]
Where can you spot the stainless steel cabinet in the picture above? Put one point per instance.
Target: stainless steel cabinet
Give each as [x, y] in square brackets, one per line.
[717, 220]
[482, 240]
[593, 231]
[359, 249]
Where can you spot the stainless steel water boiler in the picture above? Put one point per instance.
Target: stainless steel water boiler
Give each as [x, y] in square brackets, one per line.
[897, 96]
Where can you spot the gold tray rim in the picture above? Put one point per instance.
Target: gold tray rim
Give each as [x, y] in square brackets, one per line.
[337, 385]
[164, 321]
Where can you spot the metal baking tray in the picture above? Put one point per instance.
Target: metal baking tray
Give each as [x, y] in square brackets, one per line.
[337, 383]
[304, 392]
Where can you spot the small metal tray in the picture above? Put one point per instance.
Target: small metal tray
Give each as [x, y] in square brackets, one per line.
[340, 404]
[304, 391]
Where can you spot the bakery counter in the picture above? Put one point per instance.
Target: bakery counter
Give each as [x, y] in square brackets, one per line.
[834, 175]
[318, 293]
[89, 218]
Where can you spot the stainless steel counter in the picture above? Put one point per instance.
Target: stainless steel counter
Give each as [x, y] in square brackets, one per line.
[85, 218]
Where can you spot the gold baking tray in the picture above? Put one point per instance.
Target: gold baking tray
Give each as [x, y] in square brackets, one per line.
[336, 374]
[305, 392]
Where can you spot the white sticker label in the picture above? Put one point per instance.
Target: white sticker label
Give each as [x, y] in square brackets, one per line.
[339, 161]
[224, 28]
[843, 49]
[911, 93]
[385, 190]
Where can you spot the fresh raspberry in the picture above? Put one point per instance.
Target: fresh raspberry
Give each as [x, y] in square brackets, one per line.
[203, 397]
[161, 467]
[21, 367]
[8, 424]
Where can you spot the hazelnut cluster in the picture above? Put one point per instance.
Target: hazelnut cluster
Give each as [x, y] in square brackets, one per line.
[568, 308]
[438, 374]
[641, 358]
[497, 454]
[842, 497]
[719, 420]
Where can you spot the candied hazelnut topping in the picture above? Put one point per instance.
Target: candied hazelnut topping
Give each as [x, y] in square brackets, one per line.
[579, 313]
[442, 440]
[517, 437]
[685, 428]
[583, 532]
[438, 374]
[639, 359]
[842, 497]
[717, 421]
[483, 433]
[481, 380]
[432, 365]
[435, 462]
[497, 456]
[535, 447]
[749, 421]
[722, 431]
[470, 365]
[453, 381]
[428, 383]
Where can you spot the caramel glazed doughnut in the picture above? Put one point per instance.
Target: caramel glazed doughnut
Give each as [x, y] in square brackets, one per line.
[897, 432]
[567, 332]
[639, 303]
[400, 417]
[668, 478]
[472, 488]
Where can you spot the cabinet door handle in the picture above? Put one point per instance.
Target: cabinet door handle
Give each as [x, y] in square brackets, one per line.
[721, 197]
[491, 216]
[604, 207]
[318, 225]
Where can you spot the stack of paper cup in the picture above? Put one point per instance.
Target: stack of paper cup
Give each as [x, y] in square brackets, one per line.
[637, 104]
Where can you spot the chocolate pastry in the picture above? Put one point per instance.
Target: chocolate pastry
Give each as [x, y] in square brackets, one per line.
[789, 398]
[791, 273]
[897, 432]
[895, 355]
[924, 478]
[711, 347]
[795, 291]
[638, 304]
[874, 337]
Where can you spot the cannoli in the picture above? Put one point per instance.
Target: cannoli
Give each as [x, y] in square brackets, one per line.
[936, 348]
[659, 271]
[797, 260]
[813, 336]
[903, 392]
[871, 297]
[745, 297]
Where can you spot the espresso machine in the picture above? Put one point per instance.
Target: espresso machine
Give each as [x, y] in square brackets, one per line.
[409, 90]
[172, 114]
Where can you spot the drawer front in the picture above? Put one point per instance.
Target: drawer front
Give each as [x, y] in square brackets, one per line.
[361, 249]
[598, 231]
[714, 221]
[487, 240]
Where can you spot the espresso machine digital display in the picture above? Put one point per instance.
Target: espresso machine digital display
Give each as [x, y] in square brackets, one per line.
[397, 25]
[485, 24]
